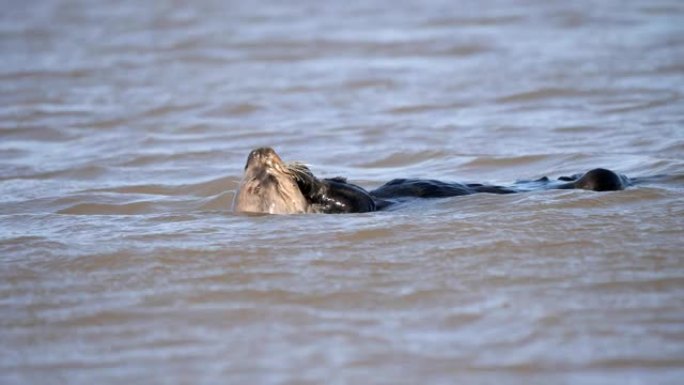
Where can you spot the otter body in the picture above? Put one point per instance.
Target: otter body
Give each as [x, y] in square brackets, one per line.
[337, 196]
[274, 187]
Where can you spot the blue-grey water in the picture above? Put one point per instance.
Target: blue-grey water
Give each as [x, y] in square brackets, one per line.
[125, 125]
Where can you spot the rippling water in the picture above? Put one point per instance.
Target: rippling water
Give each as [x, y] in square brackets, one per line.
[124, 128]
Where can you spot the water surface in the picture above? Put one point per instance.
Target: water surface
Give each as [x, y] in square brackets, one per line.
[124, 129]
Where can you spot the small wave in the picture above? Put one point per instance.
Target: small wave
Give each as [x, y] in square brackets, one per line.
[239, 109]
[543, 93]
[22, 241]
[208, 188]
[34, 133]
[575, 129]
[638, 105]
[41, 112]
[150, 159]
[398, 159]
[505, 161]
[299, 50]
[106, 123]
[45, 74]
[19, 247]
[418, 108]
[167, 109]
[473, 21]
[374, 234]
[85, 172]
[109, 209]
[582, 199]
[632, 363]
[149, 189]
[370, 83]
[636, 285]
[353, 85]
[674, 147]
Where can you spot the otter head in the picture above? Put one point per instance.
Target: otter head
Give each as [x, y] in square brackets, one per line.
[601, 179]
[269, 186]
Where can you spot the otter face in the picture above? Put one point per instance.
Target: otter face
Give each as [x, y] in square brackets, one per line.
[268, 186]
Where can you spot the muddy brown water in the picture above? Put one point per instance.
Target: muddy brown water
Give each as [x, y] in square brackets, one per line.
[124, 128]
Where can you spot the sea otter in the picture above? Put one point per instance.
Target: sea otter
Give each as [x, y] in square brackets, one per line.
[272, 186]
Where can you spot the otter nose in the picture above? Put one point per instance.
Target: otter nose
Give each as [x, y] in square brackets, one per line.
[262, 152]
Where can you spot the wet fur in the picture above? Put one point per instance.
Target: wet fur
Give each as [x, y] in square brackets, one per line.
[332, 196]
[269, 186]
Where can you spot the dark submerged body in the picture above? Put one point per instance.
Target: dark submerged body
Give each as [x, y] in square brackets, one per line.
[338, 196]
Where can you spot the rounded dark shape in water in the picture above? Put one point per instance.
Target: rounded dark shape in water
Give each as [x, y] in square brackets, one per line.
[275, 187]
[600, 179]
